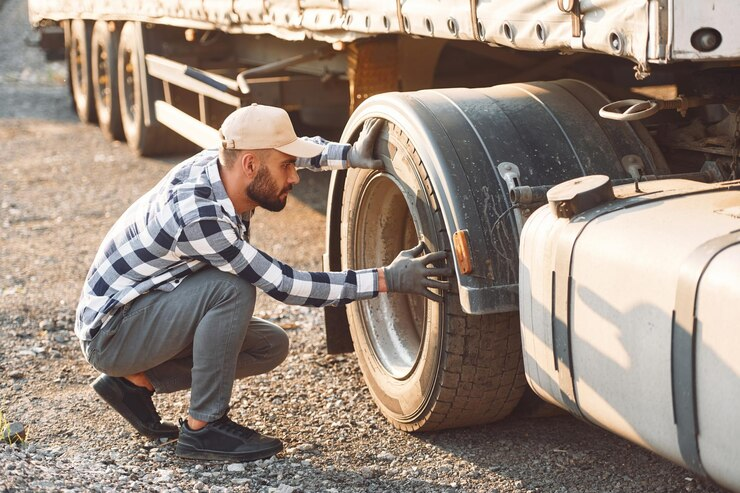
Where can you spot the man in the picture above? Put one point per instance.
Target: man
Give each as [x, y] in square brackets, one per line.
[167, 304]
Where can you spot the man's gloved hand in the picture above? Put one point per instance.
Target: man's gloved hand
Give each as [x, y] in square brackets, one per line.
[408, 274]
[361, 153]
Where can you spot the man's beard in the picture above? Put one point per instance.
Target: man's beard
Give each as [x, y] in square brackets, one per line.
[265, 193]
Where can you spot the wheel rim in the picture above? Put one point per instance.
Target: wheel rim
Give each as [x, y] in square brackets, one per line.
[393, 212]
[104, 87]
[395, 323]
[78, 78]
[129, 86]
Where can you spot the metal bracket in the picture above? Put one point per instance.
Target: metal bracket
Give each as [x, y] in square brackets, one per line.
[510, 173]
[198, 81]
[632, 164]
[477, 34]
[399, 13]
[274, 67]
[573, 7]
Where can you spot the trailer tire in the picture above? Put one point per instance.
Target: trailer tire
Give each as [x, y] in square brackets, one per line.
[428, 365]
[80, 73]
[105, 80]
[137, 92]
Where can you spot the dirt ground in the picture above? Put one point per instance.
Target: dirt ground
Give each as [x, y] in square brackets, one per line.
[62, 186]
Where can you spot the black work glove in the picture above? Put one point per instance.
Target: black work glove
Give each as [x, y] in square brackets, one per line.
[361, 153]
[408, 274]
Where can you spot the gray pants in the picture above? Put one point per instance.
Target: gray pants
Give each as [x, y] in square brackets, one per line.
[200, 336]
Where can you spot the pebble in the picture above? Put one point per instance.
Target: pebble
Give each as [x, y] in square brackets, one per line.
[235, 467]
[164, 476]
[42, 484]
[14, 432]
[16, 374]
[387, 456]
[61, 338]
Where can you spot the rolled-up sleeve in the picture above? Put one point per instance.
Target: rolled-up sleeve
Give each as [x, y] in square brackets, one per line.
[216, 242]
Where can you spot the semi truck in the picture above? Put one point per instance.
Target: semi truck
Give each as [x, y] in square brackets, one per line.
[577, 158]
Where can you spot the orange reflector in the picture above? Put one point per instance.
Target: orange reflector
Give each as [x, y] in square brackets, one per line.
[462, 251]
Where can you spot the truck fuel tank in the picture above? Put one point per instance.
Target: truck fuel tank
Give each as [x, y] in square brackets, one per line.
[630, 314]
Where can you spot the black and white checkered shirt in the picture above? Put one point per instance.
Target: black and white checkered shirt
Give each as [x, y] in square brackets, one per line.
[187, 222]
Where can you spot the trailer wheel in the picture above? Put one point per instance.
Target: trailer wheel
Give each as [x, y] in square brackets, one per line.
[428, 365]
[137, 92]
[105, 80]
[80, 73]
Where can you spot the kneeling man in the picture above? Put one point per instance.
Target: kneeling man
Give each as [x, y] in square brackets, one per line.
[167, 304]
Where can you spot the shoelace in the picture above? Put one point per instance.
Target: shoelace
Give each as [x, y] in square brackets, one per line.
[227, 425]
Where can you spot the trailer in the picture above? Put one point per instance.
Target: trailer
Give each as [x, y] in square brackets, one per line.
[577, 158]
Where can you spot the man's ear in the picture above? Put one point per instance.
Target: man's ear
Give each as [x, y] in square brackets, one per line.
[248, 163]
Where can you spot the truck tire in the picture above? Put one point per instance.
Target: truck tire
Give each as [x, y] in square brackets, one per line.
[428, 365]
[137, 92]
[105, 80]
[80, 73]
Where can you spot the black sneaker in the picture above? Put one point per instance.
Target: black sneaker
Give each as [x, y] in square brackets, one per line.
[225, 440]
[135, 404]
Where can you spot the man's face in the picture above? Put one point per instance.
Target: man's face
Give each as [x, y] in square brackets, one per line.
[274, 180]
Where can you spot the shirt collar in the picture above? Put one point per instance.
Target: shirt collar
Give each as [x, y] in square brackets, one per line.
[219, 191]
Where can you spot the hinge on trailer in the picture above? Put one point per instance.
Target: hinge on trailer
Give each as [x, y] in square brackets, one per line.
[477, 29]
[399, 13]
[573, 7]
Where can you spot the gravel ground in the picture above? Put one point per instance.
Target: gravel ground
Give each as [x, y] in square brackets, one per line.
[63, 186]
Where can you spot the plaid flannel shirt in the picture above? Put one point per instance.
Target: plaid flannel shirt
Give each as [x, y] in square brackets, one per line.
[187, 222]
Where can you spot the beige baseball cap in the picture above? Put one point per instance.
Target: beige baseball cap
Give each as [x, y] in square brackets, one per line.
[264, 127]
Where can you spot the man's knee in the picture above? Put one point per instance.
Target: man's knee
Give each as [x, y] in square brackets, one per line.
[279, 348]
[282, 345]
[265, 347]
[267, 341]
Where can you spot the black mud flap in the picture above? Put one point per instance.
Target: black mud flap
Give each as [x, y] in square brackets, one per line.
[338, 337]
